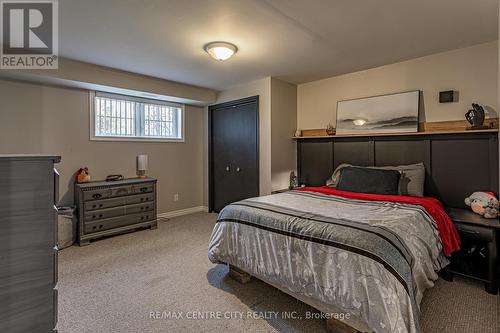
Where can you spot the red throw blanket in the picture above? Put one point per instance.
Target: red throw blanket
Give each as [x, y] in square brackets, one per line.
[447, 230]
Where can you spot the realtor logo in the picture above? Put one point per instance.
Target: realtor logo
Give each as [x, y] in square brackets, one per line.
[28, 34]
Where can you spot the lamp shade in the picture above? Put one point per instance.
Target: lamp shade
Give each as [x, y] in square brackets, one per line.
[142, 164]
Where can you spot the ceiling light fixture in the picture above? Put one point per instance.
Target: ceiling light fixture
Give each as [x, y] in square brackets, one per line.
[220, 50]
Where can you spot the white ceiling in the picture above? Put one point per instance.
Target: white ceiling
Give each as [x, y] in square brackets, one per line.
[295, 40]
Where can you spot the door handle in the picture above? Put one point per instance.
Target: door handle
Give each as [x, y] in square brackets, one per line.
[237, 169]
[228, 168]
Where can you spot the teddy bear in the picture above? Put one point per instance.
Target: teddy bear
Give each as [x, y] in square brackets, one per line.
[82, 175]
[484, 204]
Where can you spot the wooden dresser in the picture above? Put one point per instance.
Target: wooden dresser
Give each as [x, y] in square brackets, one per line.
[108, 208]
[28, 238]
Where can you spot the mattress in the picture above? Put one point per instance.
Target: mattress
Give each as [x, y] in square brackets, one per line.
[371, 259]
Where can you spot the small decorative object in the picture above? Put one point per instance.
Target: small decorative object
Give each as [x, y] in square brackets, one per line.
[484, 204]
[82, 175]
[294, 181]
[448, 96]
[298, 133]
[114, 178]
[142, 165]
[475, 117]
[392, 113]
[330, 130]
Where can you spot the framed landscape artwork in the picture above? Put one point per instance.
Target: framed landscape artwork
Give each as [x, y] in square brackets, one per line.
[392, 113]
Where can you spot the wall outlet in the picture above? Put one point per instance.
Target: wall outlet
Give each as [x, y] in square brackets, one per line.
[176, 197]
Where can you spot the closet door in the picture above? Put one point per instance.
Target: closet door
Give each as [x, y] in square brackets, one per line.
[234, 149]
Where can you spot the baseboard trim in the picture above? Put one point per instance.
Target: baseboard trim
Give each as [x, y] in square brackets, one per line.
[181, 212]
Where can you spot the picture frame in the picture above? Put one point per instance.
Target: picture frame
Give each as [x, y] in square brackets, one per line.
[383, 114]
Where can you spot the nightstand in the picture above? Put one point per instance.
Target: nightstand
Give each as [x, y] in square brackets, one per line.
[477, 258]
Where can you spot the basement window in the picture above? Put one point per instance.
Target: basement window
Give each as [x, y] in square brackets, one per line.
[116, 117]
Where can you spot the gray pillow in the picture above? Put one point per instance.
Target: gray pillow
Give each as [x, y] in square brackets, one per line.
[334, 179]
[411, 182]
[369, 180]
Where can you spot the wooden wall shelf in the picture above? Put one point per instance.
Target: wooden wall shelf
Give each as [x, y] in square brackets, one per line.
[429, 128]
[492, 130]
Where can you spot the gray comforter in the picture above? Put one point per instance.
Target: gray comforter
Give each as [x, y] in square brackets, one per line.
[370, 259]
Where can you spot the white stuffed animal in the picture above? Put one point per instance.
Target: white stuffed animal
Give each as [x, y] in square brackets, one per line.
[484, 204]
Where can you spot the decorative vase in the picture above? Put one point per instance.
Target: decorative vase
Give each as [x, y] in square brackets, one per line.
[330, 130]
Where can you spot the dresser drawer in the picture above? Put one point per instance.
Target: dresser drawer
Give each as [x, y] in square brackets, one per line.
[110, 192]
[33, 263]
[27, 308]
[475, 232]
[101, 214]
[115, 202]
[97, 194]
[115, 222]
[143, 188]
[121, 191]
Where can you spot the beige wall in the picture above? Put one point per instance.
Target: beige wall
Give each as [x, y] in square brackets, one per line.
[42, 119]
[283, 126]
[89, 76]
[262, 88]
[473, 71]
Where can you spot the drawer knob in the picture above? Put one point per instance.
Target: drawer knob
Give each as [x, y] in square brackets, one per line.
[144, 189]
[94, 206]
[96, 196]
[100, 205]
[93, 216]
[100, 215]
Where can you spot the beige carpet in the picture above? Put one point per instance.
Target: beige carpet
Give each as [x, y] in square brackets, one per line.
[114, 284]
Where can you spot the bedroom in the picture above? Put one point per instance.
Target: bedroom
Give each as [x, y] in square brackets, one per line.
[138, 90]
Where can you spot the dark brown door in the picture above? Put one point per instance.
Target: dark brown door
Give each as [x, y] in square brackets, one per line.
[234, 149]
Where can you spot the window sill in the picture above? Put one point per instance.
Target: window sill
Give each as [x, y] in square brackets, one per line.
[134, 139]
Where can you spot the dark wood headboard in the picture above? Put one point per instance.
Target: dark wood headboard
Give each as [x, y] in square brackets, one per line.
[456, 164]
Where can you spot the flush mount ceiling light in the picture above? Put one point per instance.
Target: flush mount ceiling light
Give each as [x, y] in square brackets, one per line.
[220, 50]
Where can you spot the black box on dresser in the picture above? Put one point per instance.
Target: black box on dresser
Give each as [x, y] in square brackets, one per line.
[109, 208]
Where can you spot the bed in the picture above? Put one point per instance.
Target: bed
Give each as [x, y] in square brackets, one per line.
[368, 256]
